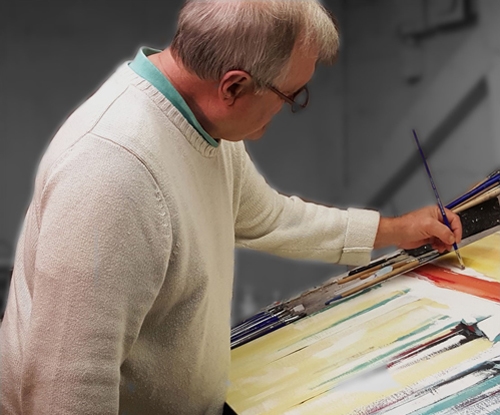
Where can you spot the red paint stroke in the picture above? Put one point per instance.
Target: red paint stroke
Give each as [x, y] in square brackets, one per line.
[448, 279]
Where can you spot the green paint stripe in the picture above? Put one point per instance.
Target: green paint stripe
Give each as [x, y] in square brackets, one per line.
[460, 397]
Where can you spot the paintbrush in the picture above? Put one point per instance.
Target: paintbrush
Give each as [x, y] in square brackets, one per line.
[408, 266]
[493, 174]
[490, 194]
[488, 183]
[267, 320]
[438, 199]
[265, 329]
[479, 194]
[394, 263]
[377, 262]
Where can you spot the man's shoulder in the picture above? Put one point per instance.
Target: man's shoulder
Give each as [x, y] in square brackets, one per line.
[119, 112]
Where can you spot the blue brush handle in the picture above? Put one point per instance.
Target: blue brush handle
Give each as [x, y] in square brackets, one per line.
[491, 181]
[438, 199]
[257, 327]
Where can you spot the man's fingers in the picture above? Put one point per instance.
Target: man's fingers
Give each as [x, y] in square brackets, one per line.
[440, 246]
[443, 233]
[455, 223]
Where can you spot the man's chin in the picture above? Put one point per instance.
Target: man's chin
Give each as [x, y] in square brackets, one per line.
[257, 134]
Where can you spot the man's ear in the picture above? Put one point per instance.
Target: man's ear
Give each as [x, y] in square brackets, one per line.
[234, 85]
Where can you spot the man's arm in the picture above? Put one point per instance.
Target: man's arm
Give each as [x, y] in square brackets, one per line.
[291, 227]
[101, 258]
[288, 226]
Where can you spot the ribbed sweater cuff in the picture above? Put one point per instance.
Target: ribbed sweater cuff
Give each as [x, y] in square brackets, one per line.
[362, 226]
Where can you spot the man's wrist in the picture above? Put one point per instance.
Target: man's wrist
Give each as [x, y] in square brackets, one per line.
[388, 232]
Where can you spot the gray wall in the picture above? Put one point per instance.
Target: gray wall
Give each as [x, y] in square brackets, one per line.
[418, 64]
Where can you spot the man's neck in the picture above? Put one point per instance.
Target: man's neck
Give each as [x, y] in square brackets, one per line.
[195, 91]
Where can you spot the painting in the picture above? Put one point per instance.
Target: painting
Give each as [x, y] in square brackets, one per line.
[407, 346]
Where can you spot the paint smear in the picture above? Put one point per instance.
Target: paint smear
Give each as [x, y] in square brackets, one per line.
[482, 256]
[446, 278]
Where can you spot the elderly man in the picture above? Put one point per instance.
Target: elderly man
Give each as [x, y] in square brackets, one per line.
[120, 298]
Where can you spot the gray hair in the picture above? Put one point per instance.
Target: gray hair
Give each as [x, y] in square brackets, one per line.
[216, 36]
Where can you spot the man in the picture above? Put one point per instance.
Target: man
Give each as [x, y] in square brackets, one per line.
[120, 298]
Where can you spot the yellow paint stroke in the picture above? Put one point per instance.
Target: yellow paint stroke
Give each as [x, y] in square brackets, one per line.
[482, 256]
[286, 341]
[264, 350]
[287, 375]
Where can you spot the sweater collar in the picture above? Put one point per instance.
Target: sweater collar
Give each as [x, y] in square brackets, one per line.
[143, 67]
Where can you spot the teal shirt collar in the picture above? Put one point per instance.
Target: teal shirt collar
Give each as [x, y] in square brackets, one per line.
[143, 67]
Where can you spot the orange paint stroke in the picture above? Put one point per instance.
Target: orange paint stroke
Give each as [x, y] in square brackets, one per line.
[460, 282]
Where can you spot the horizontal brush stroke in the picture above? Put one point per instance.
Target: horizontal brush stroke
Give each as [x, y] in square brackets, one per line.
[448, 279]
[483, 393]
[474, 365]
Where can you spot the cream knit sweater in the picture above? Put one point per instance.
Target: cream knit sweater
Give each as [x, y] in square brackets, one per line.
[120, 298]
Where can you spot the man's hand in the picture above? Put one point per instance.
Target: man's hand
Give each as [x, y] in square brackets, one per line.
[421, 227]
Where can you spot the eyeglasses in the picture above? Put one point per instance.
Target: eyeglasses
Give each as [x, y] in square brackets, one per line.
[297, 101]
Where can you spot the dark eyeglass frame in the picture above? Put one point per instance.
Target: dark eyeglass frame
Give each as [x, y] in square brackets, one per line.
[295, 106]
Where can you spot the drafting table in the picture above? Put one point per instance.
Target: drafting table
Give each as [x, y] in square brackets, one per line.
[407, 346]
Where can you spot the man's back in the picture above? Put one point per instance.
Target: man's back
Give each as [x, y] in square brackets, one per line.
[117, 283]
